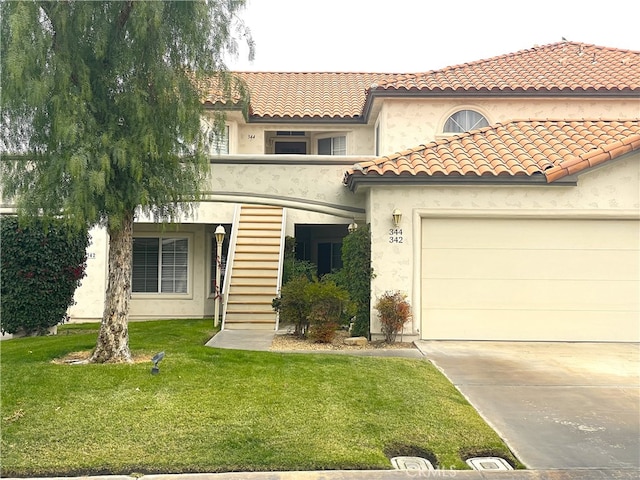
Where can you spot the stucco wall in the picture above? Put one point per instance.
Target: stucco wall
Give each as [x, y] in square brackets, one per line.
[601, 192]
[312, 194]
[193, 304]
[250, 138]
[89, 297]
[291, 183]
[407, 123]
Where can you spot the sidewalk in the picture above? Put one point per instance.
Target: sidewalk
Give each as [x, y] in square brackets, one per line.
[576, 474]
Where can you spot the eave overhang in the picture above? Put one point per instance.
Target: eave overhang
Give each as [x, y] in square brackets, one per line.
[357, 180]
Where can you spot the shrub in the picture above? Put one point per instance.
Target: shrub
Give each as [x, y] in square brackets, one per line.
[315, 308]
[293, 268]
[292, 305]
[393, 311]
[329, 307]
[355, 276]
[42, 265]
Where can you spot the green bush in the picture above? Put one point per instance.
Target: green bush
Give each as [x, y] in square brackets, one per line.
[316, 308]
[355, 276]
[292, 305]
[42, 265]
[393, 311]
[329, 307]
[293, 268]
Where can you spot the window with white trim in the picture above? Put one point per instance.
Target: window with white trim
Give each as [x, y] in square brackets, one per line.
[464, 121]
[160, 265]
[220, 142]
[332, 145]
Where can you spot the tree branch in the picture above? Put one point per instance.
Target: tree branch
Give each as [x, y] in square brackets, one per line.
[125, 13]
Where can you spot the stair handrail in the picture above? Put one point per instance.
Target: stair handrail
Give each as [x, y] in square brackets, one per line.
[283, 228]
[229, 266]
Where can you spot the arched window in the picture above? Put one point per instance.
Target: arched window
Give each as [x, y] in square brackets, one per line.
[463, 121]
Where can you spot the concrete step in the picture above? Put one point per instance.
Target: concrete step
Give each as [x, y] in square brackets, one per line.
[253, 248]
[256, 276]
[252, 233]
[261, 220]
[249, 267]
[257, 257]
[249, 326]
[252, 303]
[251, 288]
[253, 317]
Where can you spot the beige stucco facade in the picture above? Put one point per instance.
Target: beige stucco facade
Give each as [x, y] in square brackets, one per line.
[612, 191]
[311, 192]
[309, 187]
[407, 123]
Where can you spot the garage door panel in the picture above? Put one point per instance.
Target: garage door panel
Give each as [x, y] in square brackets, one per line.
[531, 326]
[530, 279]
[520, 295]
[539, 233]
[531, 264]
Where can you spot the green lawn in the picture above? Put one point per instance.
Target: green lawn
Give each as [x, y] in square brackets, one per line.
[211, 410]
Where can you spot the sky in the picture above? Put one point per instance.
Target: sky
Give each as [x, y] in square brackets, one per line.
[403, 36]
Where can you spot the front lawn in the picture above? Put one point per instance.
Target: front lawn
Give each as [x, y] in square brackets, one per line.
[212, 410]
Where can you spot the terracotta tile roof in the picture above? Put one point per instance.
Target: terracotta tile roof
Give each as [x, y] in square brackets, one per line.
[559, 67]
[282, 95]
[553, 148]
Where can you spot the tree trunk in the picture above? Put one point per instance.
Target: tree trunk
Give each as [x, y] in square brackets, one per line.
[113, 340]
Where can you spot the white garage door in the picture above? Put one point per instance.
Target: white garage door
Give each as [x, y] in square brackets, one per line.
[530, 279]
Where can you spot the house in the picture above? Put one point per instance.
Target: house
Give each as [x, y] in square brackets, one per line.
[515, 183]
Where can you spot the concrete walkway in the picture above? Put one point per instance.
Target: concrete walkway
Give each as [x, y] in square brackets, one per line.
[556, 404]
[256, 340]
[577, 474]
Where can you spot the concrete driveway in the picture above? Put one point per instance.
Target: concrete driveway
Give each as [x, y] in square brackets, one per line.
[557, 405]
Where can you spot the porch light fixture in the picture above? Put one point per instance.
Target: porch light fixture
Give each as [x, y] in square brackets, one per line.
[352, 226]
[397, 217]
[219, 234]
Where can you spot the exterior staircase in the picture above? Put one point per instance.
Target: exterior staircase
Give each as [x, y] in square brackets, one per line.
[255, 272]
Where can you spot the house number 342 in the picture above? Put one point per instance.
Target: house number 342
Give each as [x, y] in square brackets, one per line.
[395, 235]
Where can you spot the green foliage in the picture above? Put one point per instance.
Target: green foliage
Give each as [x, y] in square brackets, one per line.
[102, 106]
[393, 311]
[293, 268]
[292, 305]
[329, 307]
[101, 100]
[315, 308]
[42, 265]
[257, 411]
[356, 275]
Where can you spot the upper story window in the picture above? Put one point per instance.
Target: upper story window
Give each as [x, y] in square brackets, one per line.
[289, 133]
[220, 142]
[463, 121]
[332, 145]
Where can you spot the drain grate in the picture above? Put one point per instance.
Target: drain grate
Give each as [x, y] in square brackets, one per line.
[489, 463]
[411, 463]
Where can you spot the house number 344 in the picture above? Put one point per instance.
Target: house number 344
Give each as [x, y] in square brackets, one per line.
[395, 235]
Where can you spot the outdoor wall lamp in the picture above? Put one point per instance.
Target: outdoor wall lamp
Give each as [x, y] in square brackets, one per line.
[352, 226]
[397, 217]
[219, 234]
